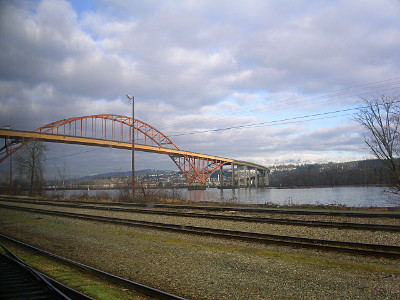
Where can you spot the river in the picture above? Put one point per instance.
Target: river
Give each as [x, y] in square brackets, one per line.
[347, 196]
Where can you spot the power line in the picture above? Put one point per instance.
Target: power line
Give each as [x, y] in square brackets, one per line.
[279, 122]
[73, 154]
[269, 123]
[314, 98]
[211, 118]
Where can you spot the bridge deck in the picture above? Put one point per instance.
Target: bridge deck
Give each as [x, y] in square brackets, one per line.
[56, 138]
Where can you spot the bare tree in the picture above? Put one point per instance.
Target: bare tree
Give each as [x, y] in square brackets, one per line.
[380, 118]
[61, 172]
[30, 165]
[124, 186]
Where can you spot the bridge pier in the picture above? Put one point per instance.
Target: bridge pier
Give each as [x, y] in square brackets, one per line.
[233, 182]
[221, 176]
[244, 179]
[249, 177]
[263, 178]
[240, 176]
[257, 178]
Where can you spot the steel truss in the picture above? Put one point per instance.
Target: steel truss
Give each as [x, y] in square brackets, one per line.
[196, 169]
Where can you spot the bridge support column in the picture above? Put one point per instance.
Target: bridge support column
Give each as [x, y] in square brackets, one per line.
[239, 171]
[262, 179]
[257, 178]
[266, 178]
[249, 177]
[244, 177]
[221, 177]
[247, 174]
[233, 175]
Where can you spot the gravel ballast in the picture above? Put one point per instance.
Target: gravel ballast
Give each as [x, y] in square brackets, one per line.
[348, 235]
[198, 267]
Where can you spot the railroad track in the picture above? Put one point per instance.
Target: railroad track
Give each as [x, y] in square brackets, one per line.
[292, 222]
[389, 215]
[259, 210]
[326, 245]
[72, 294]
[18, 280]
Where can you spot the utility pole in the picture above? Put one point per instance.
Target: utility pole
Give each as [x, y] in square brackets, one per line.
[132, 99]
[8, 149]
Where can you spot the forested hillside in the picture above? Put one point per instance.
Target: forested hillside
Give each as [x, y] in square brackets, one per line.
[368, 172]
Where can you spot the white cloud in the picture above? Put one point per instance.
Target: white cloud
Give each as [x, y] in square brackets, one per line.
[203, 65]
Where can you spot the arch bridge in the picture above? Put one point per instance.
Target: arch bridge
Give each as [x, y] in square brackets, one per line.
[108, 130]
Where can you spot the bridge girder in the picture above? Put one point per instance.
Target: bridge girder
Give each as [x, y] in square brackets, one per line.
[86, 130]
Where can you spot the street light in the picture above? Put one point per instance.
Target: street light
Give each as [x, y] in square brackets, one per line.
[132, 100]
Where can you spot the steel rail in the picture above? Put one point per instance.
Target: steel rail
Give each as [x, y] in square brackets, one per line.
[150, 291]
[278, 211]
[292, 222]
[253, 210]
[327, 245]
[20, 280]
[351, 214]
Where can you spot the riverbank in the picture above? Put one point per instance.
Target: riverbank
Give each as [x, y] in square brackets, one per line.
[84, 197]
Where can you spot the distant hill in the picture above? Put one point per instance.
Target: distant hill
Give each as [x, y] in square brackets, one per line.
[123, 174]
[364, 172]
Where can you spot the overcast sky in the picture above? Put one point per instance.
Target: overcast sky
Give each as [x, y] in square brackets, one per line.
[294, 71]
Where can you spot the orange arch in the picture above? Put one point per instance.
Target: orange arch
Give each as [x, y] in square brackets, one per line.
[146, 129]
[196, 169]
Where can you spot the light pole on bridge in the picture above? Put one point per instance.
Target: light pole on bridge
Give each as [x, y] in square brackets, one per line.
[132, 100]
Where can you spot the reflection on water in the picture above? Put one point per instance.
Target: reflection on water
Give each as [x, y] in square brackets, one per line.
[349, 196]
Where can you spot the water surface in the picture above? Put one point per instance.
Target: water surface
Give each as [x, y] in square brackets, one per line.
[348, 196]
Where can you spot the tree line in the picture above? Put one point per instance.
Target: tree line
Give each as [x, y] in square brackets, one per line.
[367, 172]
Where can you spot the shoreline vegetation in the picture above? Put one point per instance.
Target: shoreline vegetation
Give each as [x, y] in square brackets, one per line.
[217, 187]
[294, 176]
[160, 200]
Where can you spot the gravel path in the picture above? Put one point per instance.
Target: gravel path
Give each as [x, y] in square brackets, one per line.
[198, 267]
[349, 235]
